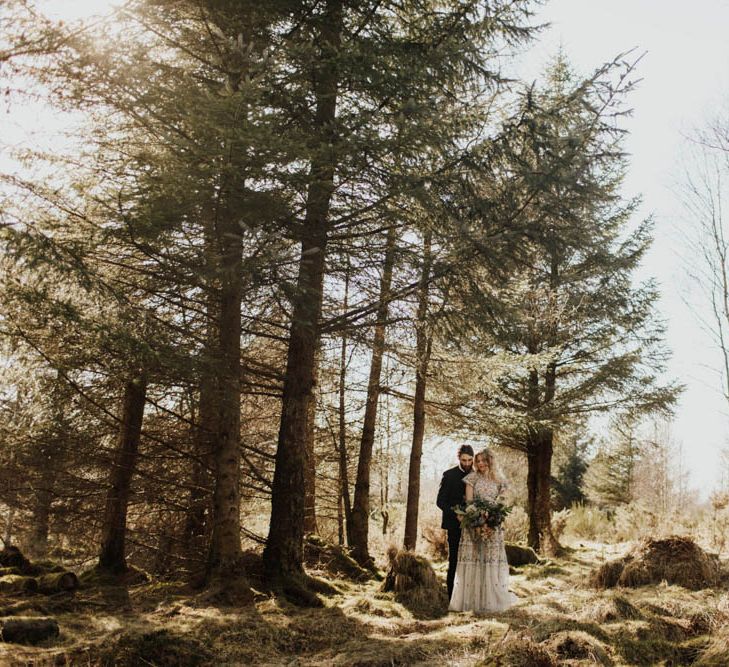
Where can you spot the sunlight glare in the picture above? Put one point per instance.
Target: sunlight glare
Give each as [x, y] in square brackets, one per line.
[71, 11]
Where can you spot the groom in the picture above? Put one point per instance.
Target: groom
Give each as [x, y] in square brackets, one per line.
[452, 492]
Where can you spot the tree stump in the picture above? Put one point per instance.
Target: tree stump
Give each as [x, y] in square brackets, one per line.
[12, 557]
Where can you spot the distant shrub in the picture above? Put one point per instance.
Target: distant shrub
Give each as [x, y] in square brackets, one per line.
[516, 526]
[717, 523]
[559, 521]
[590, 523]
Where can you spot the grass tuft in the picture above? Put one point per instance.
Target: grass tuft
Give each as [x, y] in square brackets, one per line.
[611, 608]
[578, 645]
[677, 560]
[416, 586]
[520, 651]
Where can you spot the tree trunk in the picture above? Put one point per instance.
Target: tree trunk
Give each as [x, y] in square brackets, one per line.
[344, 499]
[224, 557]
[385, 471]
[198, 503]
[114, 525]
[206, 429]
[283, 554]
[310, 470]
[38, 541]
[423, 348]
[340, 520]
[359, 534]
[539, 482]
[9, 525]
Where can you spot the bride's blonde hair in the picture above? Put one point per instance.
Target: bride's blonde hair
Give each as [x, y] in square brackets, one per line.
[494, 473]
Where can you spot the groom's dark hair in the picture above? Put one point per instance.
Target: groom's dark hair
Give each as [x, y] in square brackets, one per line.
[465, 449]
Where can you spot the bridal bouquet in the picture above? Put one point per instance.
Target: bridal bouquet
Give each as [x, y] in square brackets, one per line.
[482, 516]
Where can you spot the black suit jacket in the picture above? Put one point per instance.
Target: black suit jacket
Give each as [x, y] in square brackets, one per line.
[452, 492]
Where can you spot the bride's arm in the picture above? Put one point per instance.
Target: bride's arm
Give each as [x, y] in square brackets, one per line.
[469, 493]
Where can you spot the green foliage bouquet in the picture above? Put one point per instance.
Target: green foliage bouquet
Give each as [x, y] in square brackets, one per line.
[482, 516]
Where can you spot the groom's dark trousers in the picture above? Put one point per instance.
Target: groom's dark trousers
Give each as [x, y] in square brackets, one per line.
[450, 493]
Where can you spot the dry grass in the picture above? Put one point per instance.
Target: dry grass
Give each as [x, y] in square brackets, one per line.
[578, 645]
[610, 608]
[561, 621]
[676, 560]
[415, 584]
[333, 560]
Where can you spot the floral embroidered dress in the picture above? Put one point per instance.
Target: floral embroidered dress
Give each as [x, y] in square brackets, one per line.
[482, 572]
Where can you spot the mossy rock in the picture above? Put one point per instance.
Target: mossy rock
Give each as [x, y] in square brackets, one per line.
[518, 555]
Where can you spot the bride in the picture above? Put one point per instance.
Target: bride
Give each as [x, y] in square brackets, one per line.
[482, 573]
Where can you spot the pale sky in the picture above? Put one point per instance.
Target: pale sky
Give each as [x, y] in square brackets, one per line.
[685, 81]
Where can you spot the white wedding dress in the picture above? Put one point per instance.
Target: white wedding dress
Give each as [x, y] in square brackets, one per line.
[482, 571]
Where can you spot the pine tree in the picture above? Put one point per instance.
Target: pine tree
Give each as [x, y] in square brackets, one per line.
[569, 482]
[611, 474]
[569, 332]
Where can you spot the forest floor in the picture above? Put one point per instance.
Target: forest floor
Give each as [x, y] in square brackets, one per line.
[559, 620]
